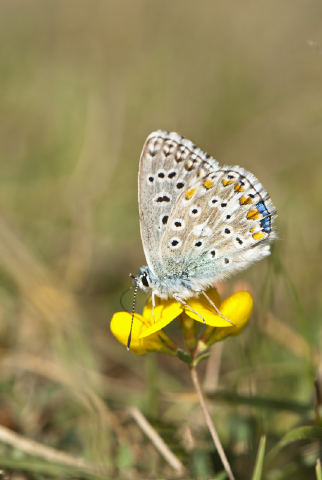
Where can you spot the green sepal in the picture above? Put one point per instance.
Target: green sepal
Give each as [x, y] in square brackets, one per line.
[201, 357]
[184, 356]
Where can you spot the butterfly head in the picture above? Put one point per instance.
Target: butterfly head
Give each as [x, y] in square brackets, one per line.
[143, 279]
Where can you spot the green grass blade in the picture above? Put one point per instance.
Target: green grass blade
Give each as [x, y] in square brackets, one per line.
[300, 433]
[34, 465]
[257, 475]
[259, 402]
[318, 470]
[222, 476]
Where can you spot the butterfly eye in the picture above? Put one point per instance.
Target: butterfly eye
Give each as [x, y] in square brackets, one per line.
[145, 281]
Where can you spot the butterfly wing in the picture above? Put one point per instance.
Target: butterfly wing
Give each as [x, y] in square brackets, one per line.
[169, 164]
[221, 224]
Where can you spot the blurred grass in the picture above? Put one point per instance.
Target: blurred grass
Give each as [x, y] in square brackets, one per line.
[82, 83]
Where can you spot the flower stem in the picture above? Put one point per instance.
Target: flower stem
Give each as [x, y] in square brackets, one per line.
[210, 424]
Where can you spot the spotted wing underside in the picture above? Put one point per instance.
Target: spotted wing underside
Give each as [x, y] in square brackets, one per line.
[221, 223]
[169, 165]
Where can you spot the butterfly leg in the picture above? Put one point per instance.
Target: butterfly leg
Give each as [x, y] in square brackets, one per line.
[153, 305]
[188, 306]
[216, 308]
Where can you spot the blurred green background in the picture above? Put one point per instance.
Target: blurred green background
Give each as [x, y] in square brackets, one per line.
[82, 83]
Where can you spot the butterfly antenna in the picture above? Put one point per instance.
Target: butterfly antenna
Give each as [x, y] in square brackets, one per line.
[132, 319]
[217, 309]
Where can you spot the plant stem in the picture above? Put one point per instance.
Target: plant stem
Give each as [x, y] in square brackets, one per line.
[210, 424]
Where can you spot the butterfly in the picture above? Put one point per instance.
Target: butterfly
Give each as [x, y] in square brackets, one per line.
[199, 222]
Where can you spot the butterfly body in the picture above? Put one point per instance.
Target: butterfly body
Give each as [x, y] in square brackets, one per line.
[168, 285]
[200, 222]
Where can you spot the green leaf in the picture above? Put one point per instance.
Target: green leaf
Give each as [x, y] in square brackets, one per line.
[318, 470]
[300, 433]
[257, 474]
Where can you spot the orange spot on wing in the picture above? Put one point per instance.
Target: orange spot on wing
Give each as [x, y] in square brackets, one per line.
[208, 183]
[258, 235]
[253, 214]
[239, 188]
[227, 182]
[190, 193]
[244, 200]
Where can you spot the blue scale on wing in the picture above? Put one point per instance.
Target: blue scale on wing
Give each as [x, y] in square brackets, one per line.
[266, 221]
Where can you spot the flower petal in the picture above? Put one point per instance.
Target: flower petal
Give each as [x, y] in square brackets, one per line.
[159, 342]
[164, 313]
[237, 308]
[120, 327]
[204, 308]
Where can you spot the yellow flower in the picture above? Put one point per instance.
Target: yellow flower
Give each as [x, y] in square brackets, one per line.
[237, 308]
[167, 310]
[157, 340]
[147, 334]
